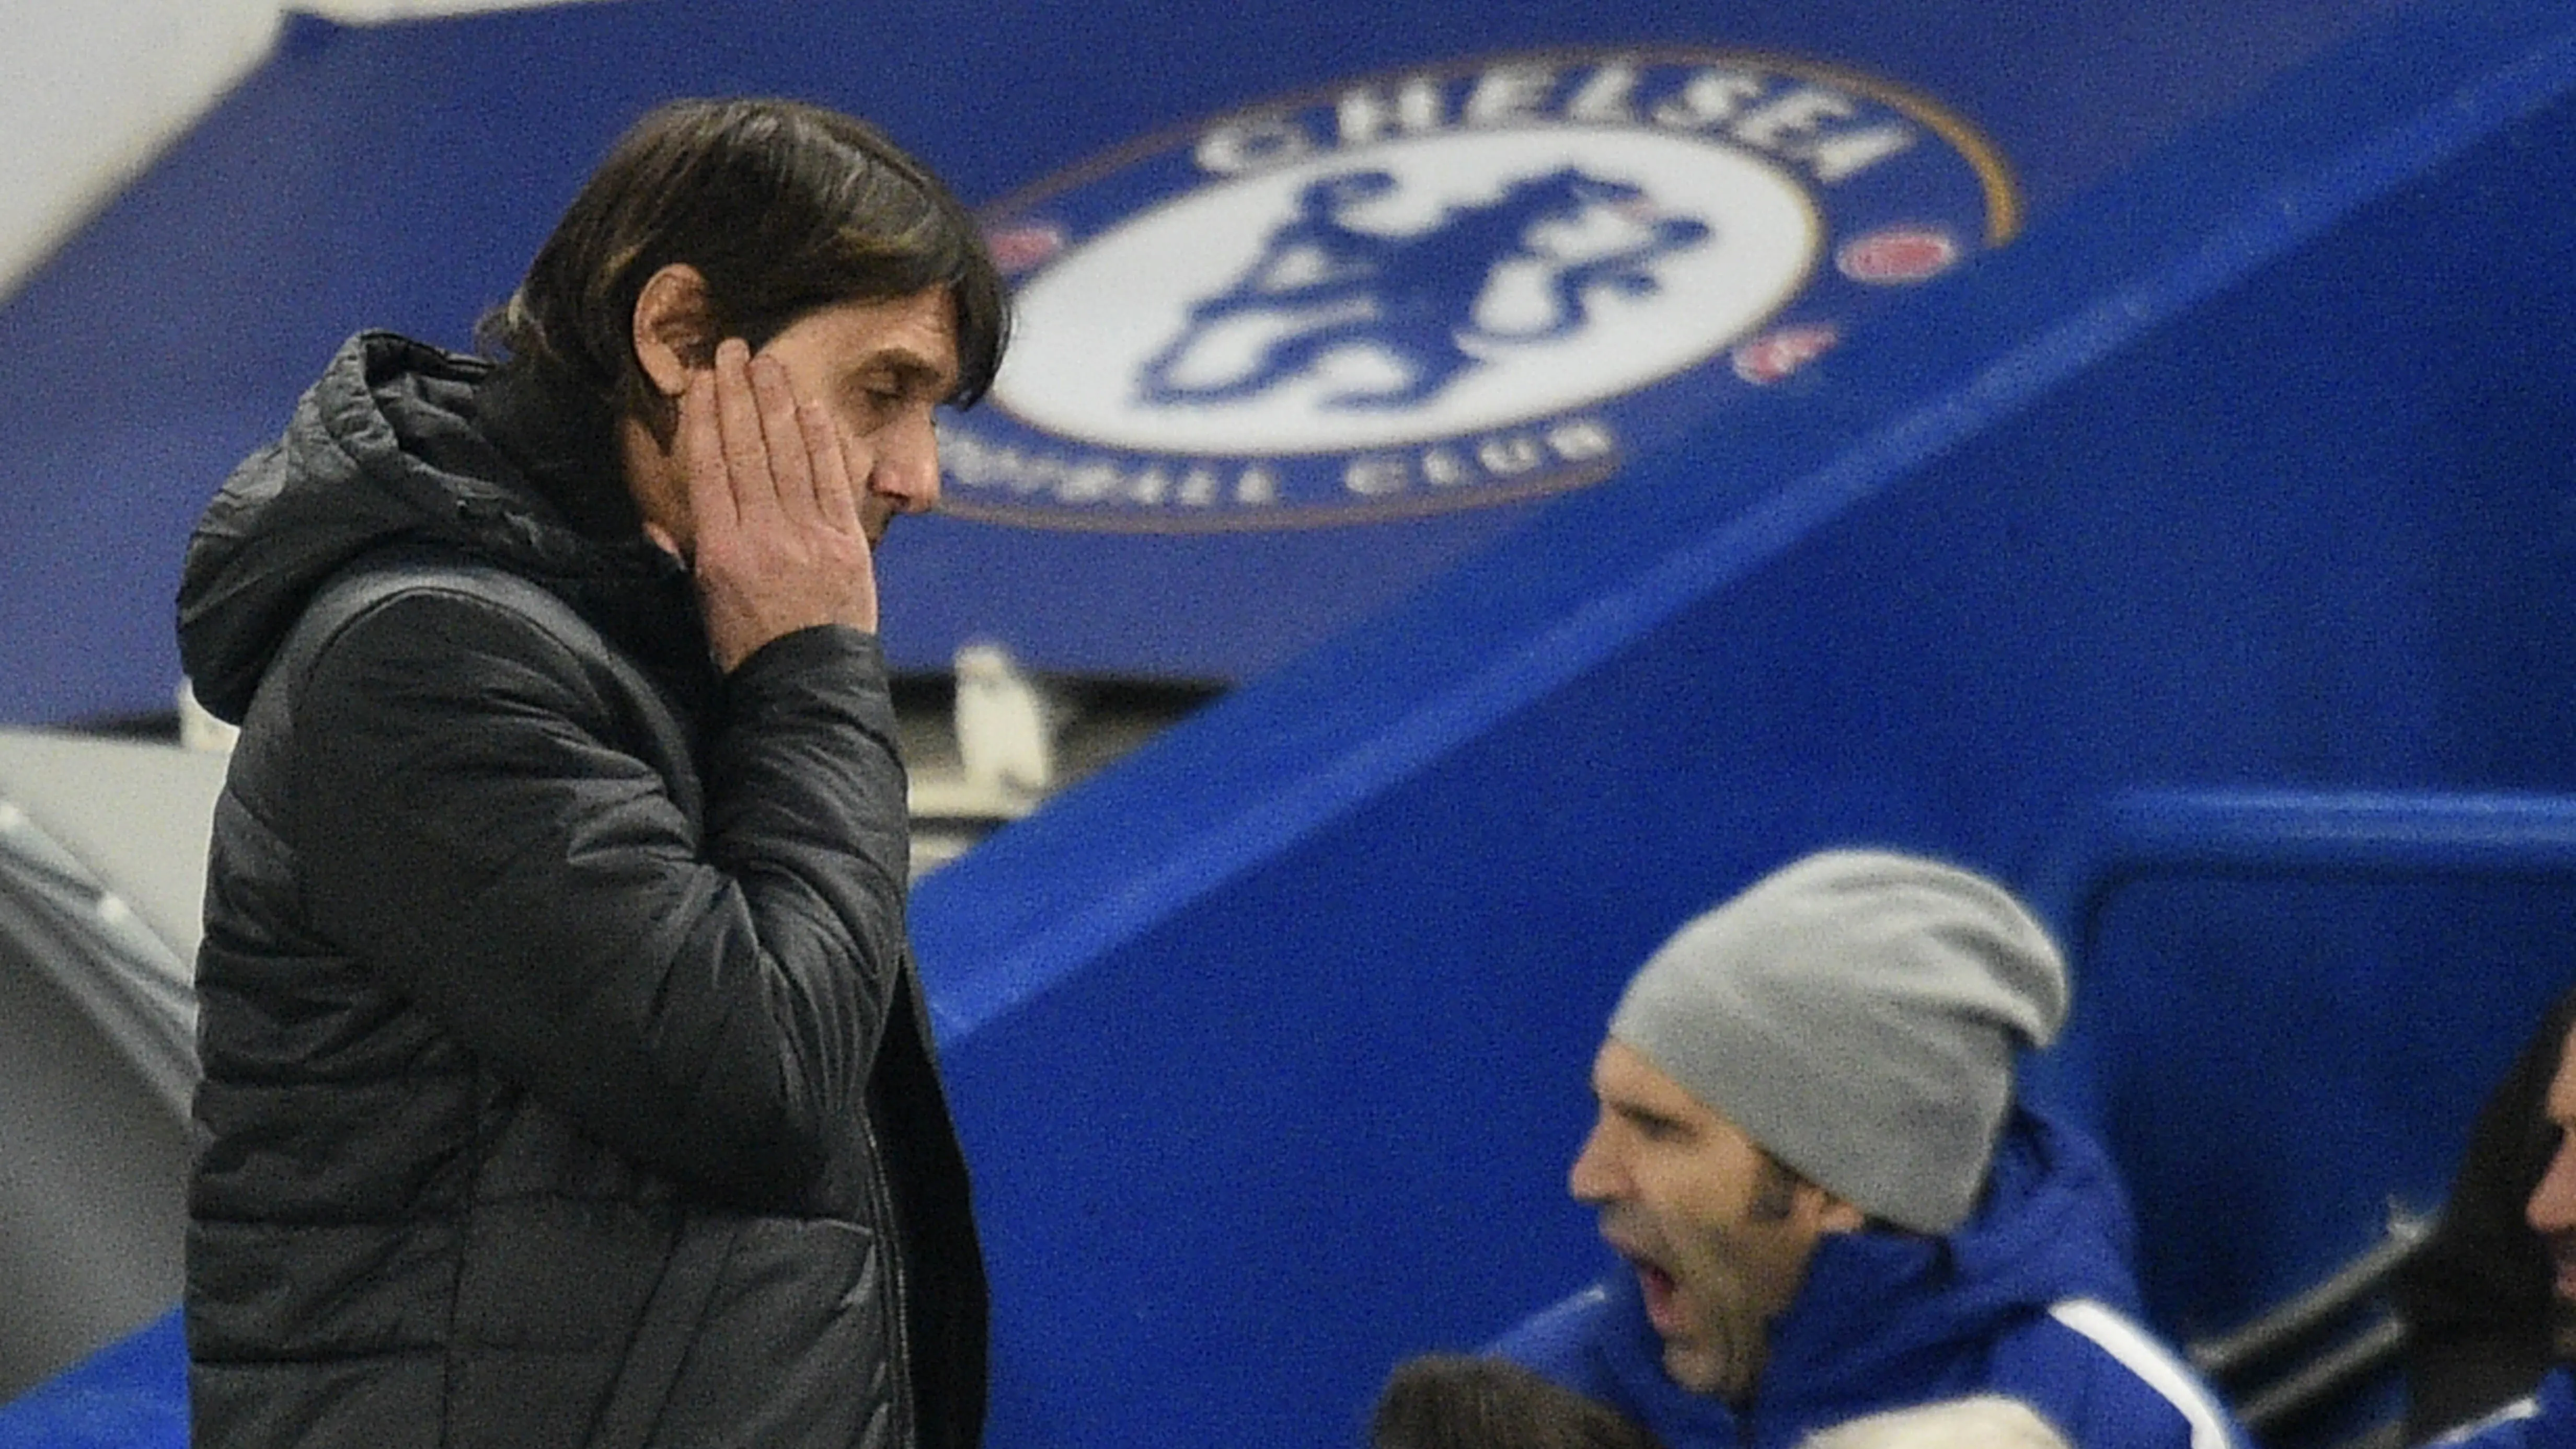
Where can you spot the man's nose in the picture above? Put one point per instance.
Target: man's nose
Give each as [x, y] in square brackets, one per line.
[1596, 1176]
[906, 471]
[2552, 1208]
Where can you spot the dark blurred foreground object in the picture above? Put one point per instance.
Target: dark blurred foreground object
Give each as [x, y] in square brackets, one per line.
[1460, 1401]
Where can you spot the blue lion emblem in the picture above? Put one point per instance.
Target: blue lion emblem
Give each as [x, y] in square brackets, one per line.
[1321, 285]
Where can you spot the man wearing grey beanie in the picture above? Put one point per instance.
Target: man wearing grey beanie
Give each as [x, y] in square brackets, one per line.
[1827, 1196]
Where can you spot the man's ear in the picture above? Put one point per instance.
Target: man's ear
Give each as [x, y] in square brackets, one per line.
[1827, 1213]
[674, 333]
[1839, 1216]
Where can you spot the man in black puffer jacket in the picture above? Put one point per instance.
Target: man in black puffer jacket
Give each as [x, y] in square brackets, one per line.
[568, 1081]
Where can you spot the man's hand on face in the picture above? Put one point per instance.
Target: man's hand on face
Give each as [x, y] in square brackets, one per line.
[779, 543]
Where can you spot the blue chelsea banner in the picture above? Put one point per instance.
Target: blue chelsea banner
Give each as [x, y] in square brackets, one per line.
[1449, 287]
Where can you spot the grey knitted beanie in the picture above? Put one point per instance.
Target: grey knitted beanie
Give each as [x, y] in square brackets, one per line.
[1857, 1012]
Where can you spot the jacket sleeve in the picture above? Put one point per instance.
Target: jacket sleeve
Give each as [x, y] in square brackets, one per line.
[1562, 1341]
[479, 825]
[2106, 1382]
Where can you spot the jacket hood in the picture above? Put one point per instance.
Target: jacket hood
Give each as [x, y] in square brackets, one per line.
[393, 445]
[1891, 1317]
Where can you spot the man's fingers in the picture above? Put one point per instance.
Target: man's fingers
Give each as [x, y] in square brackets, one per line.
[790, 472]
[781, 542]
[746, 452]
[702, 456]
[836, 493]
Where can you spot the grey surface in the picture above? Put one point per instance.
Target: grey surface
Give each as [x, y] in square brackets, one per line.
[102, 855]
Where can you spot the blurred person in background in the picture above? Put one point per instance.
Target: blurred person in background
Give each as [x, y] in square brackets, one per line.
[2493, 1326]
[2482, 1320]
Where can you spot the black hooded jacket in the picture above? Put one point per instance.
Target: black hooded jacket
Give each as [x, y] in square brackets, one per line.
[567, 1080]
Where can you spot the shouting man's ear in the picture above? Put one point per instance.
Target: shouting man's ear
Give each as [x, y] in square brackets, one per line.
[673, 332]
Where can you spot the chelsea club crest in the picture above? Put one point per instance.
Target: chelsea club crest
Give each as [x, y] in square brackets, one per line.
[1448, 287]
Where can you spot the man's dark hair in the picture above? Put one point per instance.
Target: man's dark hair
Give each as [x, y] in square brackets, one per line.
[1462, 1401]
[783, 207]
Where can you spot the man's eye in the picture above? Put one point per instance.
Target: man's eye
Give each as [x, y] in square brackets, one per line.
[874, 407]
[1654, 1128]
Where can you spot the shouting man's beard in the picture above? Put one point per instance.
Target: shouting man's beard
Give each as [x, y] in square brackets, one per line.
[1715, 1324]
[1712, 1289]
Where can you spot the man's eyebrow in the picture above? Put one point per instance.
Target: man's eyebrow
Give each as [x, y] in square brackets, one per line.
[1643, 1114]
[912, 370]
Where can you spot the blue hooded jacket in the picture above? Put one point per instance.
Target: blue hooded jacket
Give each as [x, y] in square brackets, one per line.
[2032, 1297]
